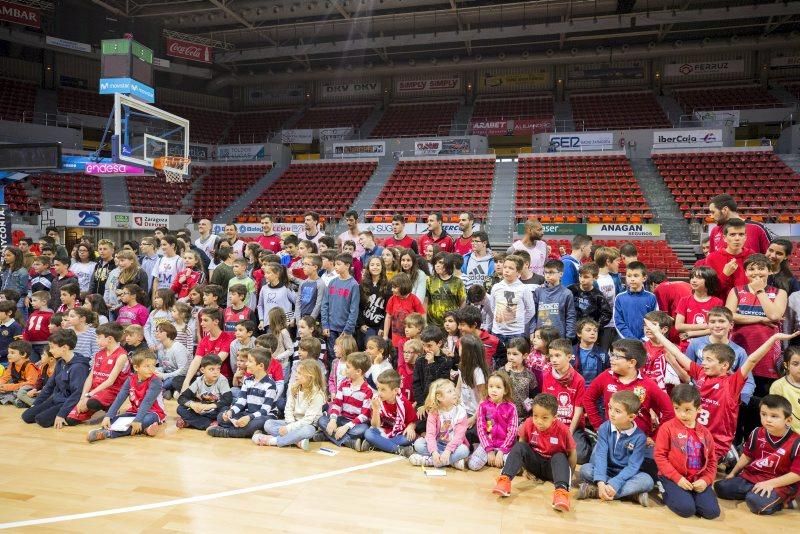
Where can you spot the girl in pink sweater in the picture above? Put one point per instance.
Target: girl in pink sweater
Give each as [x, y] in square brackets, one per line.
[496, 423]
[445, 440]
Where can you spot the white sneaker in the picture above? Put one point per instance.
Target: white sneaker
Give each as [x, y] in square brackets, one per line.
[259, 438]
[418, 459]
[461, 465]
[304, 444]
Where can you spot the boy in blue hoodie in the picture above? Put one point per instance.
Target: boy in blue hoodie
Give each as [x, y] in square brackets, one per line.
[340, 302]
[590, 360]
[63, 390]
[632, 305]
[553, 303]
[581, 249]
[614, 470]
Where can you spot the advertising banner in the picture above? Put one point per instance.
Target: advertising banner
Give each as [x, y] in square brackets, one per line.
[490, 127]
[784, 62]
[687, 138]
[605, 72]
[69, 45]
[557, 229]
[257, 96]
[145, 93]
[366, 149]
[432, 85]
[112, 168]
[110, 219]
[19, 14]
[703, 68]
[623, 230]
[457, 145]
[335, 134]
[189, 50]
[196, 152]
[582, 141]
[336, 89]
[513, 81]
[430, 147]
[240, 152]
[302, 136]
[532, 126]
[730, 116]
[163, 63]
[5, 226]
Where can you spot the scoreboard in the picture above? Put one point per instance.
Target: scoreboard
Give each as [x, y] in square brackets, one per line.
[126, 66]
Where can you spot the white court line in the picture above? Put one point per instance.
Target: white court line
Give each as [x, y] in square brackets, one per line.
[196, 498]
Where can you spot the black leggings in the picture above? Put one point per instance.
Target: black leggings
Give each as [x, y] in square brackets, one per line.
[555, 469]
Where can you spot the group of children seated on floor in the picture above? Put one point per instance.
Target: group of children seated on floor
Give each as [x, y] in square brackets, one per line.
[639, 416]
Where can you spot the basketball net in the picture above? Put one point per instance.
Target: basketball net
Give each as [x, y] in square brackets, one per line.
[172, 167]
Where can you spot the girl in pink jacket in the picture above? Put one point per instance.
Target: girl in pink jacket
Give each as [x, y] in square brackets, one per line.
[496, 423]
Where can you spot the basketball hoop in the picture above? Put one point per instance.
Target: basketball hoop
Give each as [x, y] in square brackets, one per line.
[172, 167]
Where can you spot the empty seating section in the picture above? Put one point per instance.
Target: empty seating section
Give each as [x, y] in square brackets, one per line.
[710, 98]
[331, 117]
[580, 188]
[153, 194]
[70, 191]
[256, 126]
[618, 111]
[761, 182]
[18, 199]
[794, 260]
[222, 185]
[655, 253]
[84, 102]
[512, 108]
[327, 188]
[16, 98]
[793, 88]
[206, 125]
[447, 185]
[429, 118]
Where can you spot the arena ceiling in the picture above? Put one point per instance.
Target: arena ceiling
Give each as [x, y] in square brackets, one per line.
[293, 35]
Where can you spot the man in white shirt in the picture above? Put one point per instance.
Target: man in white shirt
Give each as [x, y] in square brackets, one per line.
[351, 234]
[207, 241]
[232, 235]
[312, 231]
[532, 243]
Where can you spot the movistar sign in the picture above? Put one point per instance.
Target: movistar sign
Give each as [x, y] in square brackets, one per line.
[128, 86]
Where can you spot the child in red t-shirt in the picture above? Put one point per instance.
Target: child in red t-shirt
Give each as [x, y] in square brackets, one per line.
[400, 305]
[691, 315]
[545, 449]
[568, 387]
[657, 368]
[767, 474]
[719, 389]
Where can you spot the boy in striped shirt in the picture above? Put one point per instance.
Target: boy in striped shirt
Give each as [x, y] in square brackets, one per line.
[350, 410]
[255, 403]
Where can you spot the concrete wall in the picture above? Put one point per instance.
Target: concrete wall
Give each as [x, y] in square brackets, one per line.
[405, 145]
[21, 132]
[789, 141]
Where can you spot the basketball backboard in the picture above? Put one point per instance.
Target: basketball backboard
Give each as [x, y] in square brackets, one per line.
[143, 133]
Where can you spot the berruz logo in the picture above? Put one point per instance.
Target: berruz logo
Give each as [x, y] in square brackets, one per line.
[686, 69]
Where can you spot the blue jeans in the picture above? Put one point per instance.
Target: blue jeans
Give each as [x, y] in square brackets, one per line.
[382, 443]
[638, 483]
[149, 419]
[461, 452]
[354, 433]
[690, 503]
[737, 488]
[293, 436]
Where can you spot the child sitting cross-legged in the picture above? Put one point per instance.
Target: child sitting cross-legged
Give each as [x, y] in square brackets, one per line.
[545, 449]
[254, 405]
[304, 401]
[496, 423]
[20, 372]
[143, 389]
[767, 474]
[614, 470]
[687, 463]
[350, 408]
[209, 394]
[445, 441]
[393, 417]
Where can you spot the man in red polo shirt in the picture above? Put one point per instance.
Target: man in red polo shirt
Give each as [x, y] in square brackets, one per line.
[728, 262]
[722, 208]
[436, 235]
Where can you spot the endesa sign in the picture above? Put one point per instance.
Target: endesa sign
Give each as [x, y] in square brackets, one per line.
[112, 168]
[188, 50]
[19, 14]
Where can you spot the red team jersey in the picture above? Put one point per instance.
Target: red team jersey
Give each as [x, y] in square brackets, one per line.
[137, 394]
[406, 242]
[231, 317]
[101, 369]
[752, 336]
[37, 329]
[568, 390]
[720, 405]
[270, 242]
[548, 442]
[772, 457]
[463, 246]
[215, 346]
[695, 312]
[650, 395]
[445, 242]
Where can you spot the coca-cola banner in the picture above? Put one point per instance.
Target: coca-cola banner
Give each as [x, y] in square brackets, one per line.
[19, 14]
[188, 50]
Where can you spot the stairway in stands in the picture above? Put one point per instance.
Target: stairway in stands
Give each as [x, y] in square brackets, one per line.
[366, 198]
[501, 216]
[666, 211]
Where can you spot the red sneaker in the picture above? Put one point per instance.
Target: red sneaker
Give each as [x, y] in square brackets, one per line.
[561, 500]
[503, 486]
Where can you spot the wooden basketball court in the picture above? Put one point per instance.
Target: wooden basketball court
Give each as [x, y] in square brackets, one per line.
[55, 481]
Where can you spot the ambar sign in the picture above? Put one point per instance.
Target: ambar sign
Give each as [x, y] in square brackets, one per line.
[19, 14]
